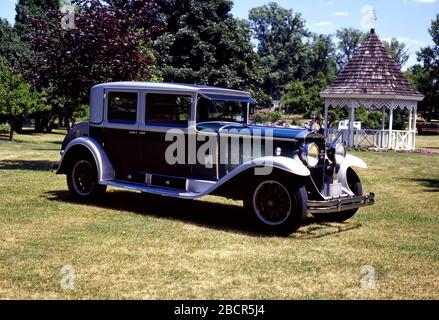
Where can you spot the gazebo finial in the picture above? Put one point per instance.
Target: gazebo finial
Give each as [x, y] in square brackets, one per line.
[373, 21]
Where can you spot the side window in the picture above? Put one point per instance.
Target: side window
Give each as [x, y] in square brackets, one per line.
[122, 107]
[168, 109]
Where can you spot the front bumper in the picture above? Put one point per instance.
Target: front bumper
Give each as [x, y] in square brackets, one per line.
[340, 204]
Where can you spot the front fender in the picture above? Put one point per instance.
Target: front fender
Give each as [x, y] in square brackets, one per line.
[262, 167]
[103, 164]
[348, 162]
[265, 165]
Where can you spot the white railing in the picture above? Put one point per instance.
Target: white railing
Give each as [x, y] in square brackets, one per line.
[369, 138]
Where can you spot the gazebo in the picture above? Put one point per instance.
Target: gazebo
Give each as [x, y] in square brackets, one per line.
[373, 80]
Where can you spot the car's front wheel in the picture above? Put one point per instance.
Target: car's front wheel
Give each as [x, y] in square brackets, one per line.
[82, 179]
[278, 207]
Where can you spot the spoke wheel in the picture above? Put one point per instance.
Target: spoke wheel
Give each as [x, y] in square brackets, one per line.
[272, 202]
[84, 177]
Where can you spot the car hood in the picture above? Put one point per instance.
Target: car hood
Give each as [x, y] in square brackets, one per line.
[275, 132]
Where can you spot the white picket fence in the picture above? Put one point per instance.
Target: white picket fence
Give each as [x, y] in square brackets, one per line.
[368, 138]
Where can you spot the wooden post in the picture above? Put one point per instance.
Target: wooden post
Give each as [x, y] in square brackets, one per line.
[410, 129]
[415, 115]
[390, 128]
[383, 124]
[351, 126]
[325, 124]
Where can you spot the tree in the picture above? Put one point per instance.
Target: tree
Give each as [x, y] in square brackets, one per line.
[281, 47]
[26, 10]
[204, 44]
[425, 75]
[109, 42]
[303, 97]
[17, 97]
[32, 9]
[349, 39]
[12, 49]
[397, 50]
[320, 57]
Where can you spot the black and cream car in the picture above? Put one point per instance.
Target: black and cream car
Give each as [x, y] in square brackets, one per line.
[189, 141]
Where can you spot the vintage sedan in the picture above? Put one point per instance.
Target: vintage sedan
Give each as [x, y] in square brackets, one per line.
[189, 141]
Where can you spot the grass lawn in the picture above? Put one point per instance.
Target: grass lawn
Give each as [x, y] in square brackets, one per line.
[129, 245]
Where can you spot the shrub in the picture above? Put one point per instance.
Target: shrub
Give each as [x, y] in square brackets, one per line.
[267, 116]
[5, 127]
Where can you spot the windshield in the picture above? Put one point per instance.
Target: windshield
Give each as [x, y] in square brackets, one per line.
[215, 110]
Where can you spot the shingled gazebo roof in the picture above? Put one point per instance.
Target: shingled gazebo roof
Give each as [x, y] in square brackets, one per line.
[372, 74]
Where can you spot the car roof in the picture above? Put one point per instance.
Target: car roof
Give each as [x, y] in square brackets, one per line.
[172, 87]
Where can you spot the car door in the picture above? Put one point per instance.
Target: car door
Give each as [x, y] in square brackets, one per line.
[120, 136]
[166, 119]
[206, 167]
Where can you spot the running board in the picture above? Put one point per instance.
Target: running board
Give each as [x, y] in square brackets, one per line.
[162, 191]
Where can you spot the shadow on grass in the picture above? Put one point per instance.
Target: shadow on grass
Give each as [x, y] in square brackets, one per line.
[32, 132]
[432, 185]
[34, 165]
[230, 218]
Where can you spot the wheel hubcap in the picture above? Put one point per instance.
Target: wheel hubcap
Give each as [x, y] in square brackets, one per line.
[84, 177]
[272, 202]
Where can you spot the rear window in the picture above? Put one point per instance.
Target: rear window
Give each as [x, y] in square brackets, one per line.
[122, 107]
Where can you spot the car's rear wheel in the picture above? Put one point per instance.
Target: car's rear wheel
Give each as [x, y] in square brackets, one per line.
[276, 206]
[82, 179]
[356, 187]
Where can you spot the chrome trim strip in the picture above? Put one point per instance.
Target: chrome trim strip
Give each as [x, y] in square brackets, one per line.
[161, 129]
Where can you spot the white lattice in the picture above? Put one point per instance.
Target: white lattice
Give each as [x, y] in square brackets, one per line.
[368, 138]
[370, 104]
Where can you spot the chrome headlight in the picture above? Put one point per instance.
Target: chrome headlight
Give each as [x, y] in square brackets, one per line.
[310, 154]
[337, 153]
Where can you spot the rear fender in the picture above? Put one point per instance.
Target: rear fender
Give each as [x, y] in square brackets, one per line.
[103, 164]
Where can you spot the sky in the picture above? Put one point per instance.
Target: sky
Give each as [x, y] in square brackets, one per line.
[406, 20]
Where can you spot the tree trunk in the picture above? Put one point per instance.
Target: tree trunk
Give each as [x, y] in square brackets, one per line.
[39, 123]
[67, 122]
[18, 124]
[11, 129]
